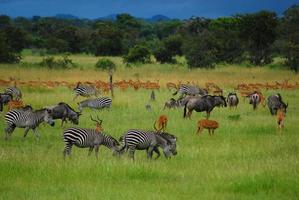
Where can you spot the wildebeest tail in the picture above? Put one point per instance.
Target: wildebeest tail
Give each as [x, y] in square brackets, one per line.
[185, 108]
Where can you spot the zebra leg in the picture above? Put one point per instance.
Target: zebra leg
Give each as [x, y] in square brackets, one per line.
[8, 131]
[131, 152]
[150, 152]
[36, 133]
[90, 150]
[67, 150]
[26, 131]
[158, 152]
[97, 151]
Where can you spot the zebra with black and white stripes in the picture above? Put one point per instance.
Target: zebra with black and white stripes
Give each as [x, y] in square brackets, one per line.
[185, 89]
[84, 138]
[148, 140]
[98, 103]
[14, 92]
[84, 90]
[28, 119]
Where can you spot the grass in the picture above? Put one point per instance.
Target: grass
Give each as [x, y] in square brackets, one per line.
[247, 158]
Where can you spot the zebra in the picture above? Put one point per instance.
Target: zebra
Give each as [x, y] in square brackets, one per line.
[28, 119]
[232, 100]
[147, 140]
[14, 92]
[84, 90]
[98, 103]
[84, 138]
[185, 89]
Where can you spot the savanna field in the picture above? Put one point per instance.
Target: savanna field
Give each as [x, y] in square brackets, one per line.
[247, 158]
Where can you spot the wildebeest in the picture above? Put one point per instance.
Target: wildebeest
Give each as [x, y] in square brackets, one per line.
[255, 99]
[4, 99]
[275, 103]
[63, 111]
[232, 100]
[204, 103]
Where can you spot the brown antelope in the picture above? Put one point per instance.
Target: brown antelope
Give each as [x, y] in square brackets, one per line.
[211, 125]
[13, 104]
[99, 127]
[162, 122]
[280, 116]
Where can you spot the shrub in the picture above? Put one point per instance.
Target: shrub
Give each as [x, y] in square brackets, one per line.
[64, 62]
[137, 54]
[162, 55]
[105, 64]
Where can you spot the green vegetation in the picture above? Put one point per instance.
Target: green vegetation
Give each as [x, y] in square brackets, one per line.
[247, 158]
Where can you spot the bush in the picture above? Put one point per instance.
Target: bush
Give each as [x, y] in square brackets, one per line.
[137, 54]
[64, 62]
[105, 64]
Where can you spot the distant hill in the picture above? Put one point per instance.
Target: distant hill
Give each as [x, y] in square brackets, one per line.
[112, 17]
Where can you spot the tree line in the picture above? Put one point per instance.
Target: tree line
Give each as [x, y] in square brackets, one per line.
[255, 37]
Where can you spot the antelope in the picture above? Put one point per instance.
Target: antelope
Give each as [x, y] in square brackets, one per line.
[162, 123]
[280, 118]
[211, 125]
[99, 127]
[12, 104]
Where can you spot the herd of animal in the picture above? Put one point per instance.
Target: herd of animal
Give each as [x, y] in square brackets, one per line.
[191, 98]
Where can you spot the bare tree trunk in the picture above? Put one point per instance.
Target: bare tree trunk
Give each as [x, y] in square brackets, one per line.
[111, 82]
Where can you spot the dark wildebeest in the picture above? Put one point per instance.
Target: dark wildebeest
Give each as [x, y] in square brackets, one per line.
[4, 99]
[63, 111]
[204, 103]
[232, 99]
[275, 103]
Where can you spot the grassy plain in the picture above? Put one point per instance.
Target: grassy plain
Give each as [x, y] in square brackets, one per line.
[247, 158]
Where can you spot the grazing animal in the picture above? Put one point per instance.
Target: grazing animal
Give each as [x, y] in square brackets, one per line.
[280, 118]
[190, 90]
[275, 103]
[28, 119]
[63, 111]
[14, 91]
[162, 123]
[84, 138]
[205, 103]
[254, 99]
[4, 99]
[84, 90]
[153, 96]
[232, 100]
[14, 104]
[150, 141]
[211, 125]
[171, 103]
[98, 103]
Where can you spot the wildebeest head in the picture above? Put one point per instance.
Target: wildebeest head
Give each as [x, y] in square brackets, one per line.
[74, 117]
[220, 101]
[48, 117]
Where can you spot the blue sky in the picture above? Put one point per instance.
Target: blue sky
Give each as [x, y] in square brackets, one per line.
[141, 8]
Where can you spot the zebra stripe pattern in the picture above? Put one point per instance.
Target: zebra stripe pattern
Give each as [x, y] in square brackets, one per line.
[84, 138]
[190, 90]
[145, 140]
[15, 92]
[98, 103]
[26, 118]
[84, 90]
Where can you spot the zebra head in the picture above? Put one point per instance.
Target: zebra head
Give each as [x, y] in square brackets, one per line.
[48, 117]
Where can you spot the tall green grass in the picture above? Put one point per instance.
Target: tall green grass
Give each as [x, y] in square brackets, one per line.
[247, 158]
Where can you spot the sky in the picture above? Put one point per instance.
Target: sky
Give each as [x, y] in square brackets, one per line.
[181, 9]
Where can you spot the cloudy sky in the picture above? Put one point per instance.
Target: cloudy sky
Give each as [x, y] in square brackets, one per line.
[141, 8]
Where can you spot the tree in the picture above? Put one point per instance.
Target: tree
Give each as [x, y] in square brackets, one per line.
[258, 31]
[137, 54]
[290, 37]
